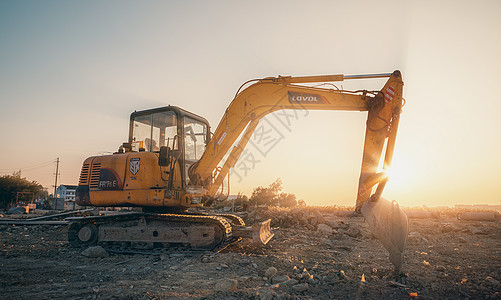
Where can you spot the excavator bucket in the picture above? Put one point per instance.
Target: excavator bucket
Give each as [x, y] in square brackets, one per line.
[389, 225]
[260, 233]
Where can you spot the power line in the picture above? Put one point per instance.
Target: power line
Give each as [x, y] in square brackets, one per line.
[29, 168]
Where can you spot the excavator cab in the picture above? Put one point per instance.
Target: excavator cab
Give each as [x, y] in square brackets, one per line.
[173, 133]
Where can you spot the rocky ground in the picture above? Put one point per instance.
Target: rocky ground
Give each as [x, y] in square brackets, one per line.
[315, 254]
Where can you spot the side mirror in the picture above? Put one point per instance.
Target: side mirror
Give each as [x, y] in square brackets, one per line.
[164, 156]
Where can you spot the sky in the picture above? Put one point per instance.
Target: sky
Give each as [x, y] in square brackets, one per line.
[71, 72]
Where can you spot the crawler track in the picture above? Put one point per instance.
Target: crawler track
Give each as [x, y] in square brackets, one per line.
[133, 231]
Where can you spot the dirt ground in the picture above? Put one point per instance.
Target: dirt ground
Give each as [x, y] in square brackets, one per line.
[445, 258]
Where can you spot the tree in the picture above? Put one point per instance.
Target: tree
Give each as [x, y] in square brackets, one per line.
[11, 185]
[242, 201]
[272, 196]
[287, 200]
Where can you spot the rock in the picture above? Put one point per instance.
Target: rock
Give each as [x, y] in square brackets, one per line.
[457, 227]
[353, 232]
[265, 294]
[226, 285]
[323, 228]
[320, 218]
[475, 230]
[207, 259]
[291, 282]
[270, 272]
[245, 278]
[312, 280]
[301, 287]
[446, 228]
[345, 248]
[95, 252]
[279, 279]
[313, 220]
[244, 262]
[304, 276]
[461, 240]
[310, 227]
[440, 268]
[224, 266]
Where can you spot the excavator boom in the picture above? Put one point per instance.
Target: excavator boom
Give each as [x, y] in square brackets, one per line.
[272, 94]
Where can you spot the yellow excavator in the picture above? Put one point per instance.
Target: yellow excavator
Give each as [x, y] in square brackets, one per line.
[172, 162]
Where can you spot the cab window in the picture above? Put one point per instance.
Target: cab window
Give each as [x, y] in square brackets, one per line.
[152, 131]
[195, 134]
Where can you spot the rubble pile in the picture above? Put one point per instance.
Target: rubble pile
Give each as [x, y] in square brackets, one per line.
[314, 219]
[316, 254]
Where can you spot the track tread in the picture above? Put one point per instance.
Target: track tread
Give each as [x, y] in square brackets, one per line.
[208, 220]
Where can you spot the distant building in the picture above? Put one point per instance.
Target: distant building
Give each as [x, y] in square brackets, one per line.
[67, 194]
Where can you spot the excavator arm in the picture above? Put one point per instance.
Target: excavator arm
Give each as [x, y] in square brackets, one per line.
[264, 96]
[272, 94]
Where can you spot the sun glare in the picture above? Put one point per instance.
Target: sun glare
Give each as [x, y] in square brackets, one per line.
[401, 174]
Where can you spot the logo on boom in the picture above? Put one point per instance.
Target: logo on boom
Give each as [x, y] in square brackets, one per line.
[295, 97]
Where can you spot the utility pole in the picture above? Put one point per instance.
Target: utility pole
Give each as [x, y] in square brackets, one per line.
[57, 171]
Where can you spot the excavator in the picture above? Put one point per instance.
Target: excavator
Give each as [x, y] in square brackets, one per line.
[172, 164]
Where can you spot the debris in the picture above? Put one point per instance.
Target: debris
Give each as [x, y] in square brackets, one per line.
[475, 230]
[16, 210]
[279, 279]
[440, 268]
[353, 232]
[95, 252]
[311, 260]
[226, 285]
[207, 259]
[270, 272]
[323, 228]
[342, 275]
[301, 287]
[446, 228]
[396, 284]
[265, 294]
[291, 282]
